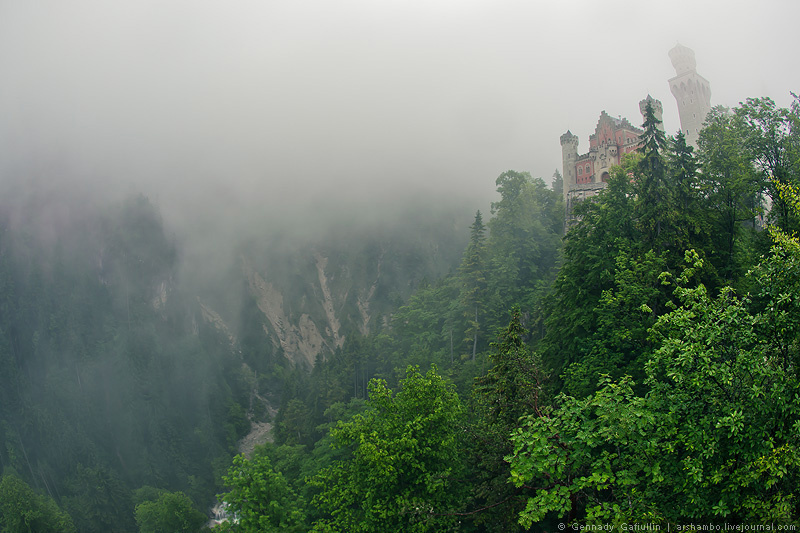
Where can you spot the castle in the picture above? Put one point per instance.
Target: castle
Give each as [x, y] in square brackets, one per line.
[586, 175]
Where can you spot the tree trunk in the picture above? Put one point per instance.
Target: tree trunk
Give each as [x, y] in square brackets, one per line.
[451, 345]
[475, 337]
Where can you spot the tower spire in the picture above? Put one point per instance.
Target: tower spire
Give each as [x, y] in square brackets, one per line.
[692, 92]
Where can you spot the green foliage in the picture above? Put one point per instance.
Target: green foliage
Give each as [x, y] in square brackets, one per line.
[260, 499]
[525, 235]
[709, 432]
[657, 204]
[776, 282]
[431, 322]
[558, 183]
[619, 344]
[293, 425]
[604, 230]
[732, 190]
[473, 273]
[772, 142]
[447, 322]
[403, 473]
[513, 387]
[652, 185]
[680, 398]
[692, 223]
[702, 429]
[172, 511]
[569, 459]
[22, 510]
[713, 439]
[98, 500]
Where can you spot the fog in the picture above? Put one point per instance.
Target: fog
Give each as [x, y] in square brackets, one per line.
[216, 110]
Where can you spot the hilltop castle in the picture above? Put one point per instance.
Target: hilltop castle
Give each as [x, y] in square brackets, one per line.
[586, 175]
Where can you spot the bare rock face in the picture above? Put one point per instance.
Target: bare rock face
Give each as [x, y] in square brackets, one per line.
[212, 317]
[303, 328]
[310, 295]
[160, 298]
[260, 433]
[301, 342]
[327, 301]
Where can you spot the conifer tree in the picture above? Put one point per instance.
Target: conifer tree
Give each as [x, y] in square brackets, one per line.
[512, 388]
[591, 247]
[691, 222]
[558, 183]
[683, 168]
[473, 276]
[653, 189]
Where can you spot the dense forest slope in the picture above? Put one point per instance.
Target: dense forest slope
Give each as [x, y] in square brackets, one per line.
[120, 380]
[111, 378]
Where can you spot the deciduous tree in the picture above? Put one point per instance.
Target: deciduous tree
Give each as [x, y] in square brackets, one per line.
[172, 511]
[260, 499]
[404, 471]
[22, 510]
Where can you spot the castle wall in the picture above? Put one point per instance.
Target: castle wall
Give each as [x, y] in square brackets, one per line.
[611, 139]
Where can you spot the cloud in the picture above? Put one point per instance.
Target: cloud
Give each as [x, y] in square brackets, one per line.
[278, 105]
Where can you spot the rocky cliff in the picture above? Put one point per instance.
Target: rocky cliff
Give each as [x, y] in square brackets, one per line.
[308, 299]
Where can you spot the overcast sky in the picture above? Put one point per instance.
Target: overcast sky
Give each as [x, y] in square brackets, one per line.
[264, 102]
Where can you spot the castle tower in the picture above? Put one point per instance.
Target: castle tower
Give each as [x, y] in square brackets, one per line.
[569, 154]
[692, 92]
[658, 110]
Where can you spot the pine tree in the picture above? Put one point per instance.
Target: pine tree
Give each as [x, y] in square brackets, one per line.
[511, 389]
[558, 183]
[691, 222]
[473, 276]
[653, 189]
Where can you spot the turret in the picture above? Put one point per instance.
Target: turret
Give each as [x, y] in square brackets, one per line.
[569, 155]
[658, 110]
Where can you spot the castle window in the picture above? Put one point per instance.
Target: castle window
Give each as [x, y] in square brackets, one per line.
[580, 171]
[587, 169]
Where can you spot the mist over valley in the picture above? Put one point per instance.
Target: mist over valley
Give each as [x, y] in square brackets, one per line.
[307, 266]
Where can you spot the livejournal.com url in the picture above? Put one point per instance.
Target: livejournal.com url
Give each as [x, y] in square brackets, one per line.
[637, 526]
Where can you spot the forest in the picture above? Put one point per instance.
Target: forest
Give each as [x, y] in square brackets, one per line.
[633, 363]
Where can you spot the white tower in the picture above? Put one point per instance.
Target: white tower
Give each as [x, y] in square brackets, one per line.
[569, 155]
[692, 92]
